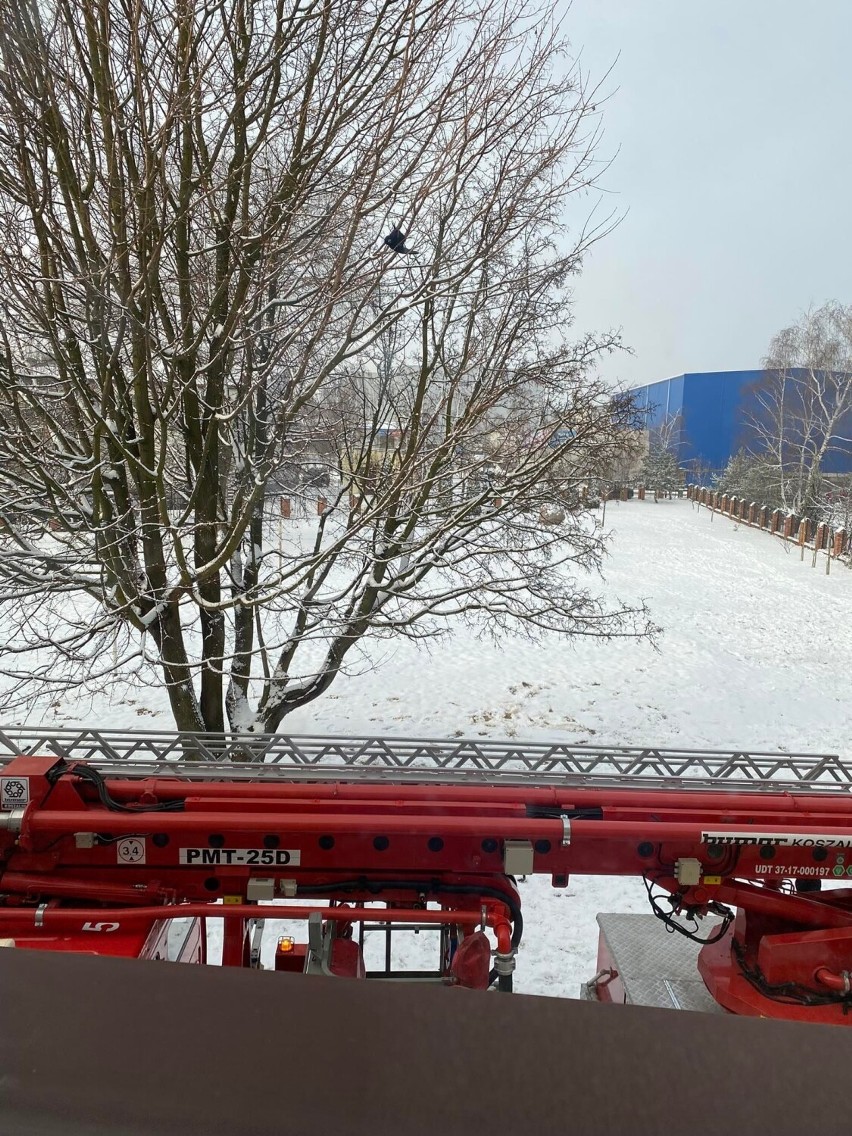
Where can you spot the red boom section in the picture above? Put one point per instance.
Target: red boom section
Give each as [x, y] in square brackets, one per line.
[88, 849]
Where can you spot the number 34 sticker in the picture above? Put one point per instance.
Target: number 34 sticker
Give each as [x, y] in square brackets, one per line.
[131, 850]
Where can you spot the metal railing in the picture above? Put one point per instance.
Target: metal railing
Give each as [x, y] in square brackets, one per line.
[309, 757]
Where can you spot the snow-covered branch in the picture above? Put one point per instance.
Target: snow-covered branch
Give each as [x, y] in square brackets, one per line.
[199, 316]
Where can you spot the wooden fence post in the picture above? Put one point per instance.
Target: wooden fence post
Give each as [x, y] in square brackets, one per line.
[283, 515]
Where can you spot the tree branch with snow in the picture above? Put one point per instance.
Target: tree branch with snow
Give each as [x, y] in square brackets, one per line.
[197, 309]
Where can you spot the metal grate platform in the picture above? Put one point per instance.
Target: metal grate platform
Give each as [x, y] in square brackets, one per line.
[656, 967]
[308, 757]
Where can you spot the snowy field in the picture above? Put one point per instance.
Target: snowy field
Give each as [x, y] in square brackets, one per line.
[756, 653]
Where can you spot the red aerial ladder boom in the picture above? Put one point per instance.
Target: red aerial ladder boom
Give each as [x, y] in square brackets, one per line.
[131, 850]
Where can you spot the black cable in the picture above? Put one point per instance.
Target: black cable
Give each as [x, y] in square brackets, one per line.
[434, 887]
[87, 773]
[100, 839]
[672, 924]
[375, 887]
[787, 993]
[549, 812]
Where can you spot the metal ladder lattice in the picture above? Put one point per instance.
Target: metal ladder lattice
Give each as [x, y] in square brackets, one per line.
[308, 757]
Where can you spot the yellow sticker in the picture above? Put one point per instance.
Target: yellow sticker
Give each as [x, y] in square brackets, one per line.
[711, 881]
[232, 899]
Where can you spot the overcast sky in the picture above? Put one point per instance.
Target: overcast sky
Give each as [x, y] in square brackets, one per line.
[731, 123]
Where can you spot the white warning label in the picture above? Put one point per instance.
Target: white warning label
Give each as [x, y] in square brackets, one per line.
[269, 857]
[779, 839]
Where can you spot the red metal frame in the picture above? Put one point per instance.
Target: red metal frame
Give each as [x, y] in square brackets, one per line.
[64, 863]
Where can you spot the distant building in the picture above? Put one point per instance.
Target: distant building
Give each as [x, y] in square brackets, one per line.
[705, 417]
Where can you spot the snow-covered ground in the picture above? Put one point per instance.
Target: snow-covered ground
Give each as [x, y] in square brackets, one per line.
[756, 653]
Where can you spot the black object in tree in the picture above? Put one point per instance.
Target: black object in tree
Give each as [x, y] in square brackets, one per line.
[396, 240]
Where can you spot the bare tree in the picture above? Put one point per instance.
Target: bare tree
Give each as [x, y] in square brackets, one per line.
[194, 289]
[800, 413]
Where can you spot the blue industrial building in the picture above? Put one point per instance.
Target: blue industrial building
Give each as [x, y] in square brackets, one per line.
[708, 411]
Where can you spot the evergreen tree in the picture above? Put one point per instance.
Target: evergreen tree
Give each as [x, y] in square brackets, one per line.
[661, 471]
[749, 477]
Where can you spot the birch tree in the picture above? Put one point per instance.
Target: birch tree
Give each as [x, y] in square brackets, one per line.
[800, 413]
[194, 290]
